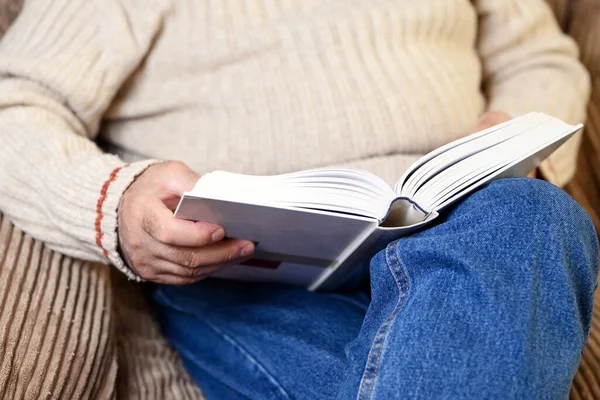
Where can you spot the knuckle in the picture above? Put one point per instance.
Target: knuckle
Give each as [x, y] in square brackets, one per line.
[205, 233]
[148, 222]
[233, 254]
[136, 260]
[230, 256]
[188, 259]
[177, 166]
[152, 276]
[134, 242]
[146, 274]
[165, 234]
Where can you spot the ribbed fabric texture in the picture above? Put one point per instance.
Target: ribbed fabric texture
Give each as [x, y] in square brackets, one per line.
[66, 324]
[61, 66]
[584, 28]
[255, 86]
[56, 333]
[149, 368]
[585, 187]
[70, 331]
[586, 384]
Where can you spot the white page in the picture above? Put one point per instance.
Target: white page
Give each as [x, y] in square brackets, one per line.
[458, 153]
[450, 184]
[351, 184]
[493, 157]
[519, 167]
[488, 163]
[337, 189]
[453, 144]
[490, 158]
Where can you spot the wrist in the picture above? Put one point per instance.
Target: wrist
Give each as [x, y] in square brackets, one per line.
[107, 214]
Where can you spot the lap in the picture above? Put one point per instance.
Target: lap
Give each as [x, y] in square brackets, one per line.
[241, 340]
[526, 238]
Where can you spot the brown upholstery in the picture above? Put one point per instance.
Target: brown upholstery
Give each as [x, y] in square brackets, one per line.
[82, 331]
[70, 330]
[583, 25]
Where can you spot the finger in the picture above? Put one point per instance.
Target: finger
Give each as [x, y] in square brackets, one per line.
[160, 224]
[167, 270]
[174, 280]
[224, 252]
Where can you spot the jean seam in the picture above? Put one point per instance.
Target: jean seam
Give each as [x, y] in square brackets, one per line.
[238, 346]
[367, 381]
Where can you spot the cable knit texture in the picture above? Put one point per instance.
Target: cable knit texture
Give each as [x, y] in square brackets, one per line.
[255, 86]
[66, 324]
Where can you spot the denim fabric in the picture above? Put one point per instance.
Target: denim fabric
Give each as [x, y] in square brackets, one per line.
[495, 301]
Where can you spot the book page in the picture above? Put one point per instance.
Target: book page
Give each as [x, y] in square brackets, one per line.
[517, 168]
[495, 156]
[517, 156]
[335, 189]
[443, 149]
[466, 149]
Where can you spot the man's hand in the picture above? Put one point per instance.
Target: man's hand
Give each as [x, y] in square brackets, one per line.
[492, 118]
[489, 119]
[164, 249]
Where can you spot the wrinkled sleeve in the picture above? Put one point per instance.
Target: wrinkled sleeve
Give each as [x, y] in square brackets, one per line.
[61, 64]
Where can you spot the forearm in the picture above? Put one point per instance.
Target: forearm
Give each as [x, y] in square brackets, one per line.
[60, 188]
[61, 64]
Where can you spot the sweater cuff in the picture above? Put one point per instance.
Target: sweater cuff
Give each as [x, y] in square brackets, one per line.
[106, 223]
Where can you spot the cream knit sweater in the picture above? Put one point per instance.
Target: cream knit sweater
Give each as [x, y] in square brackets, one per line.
[258, 86]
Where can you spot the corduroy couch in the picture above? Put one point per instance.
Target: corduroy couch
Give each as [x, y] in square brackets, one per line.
[71, 329]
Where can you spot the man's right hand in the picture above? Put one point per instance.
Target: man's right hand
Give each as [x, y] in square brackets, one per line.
[164, 249]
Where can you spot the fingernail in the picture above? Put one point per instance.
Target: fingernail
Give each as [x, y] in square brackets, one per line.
[217, 235]
[247, 250]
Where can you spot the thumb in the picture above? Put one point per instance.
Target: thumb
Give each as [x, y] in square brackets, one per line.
[179, 177]
[172, 181]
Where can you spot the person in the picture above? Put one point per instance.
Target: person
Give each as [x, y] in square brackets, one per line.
[110, 110]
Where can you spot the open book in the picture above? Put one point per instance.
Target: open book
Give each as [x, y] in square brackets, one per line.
[319, 227]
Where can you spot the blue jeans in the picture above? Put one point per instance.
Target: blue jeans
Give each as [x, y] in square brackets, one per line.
[494, 301]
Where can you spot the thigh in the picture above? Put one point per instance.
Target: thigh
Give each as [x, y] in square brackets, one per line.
[255, 340]
[495, 301]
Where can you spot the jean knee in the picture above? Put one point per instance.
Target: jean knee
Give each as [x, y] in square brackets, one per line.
[549, 213]
[527, 199]
[524, 215]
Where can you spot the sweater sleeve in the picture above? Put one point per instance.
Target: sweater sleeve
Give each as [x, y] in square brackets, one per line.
[61, 64]
[530, 65]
